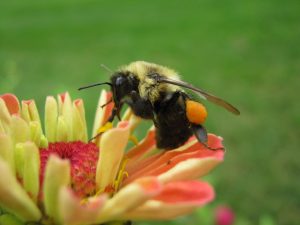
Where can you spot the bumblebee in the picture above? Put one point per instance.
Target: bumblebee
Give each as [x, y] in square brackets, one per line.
[156, 93]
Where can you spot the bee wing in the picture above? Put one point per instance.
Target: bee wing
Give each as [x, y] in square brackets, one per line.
[201, 93]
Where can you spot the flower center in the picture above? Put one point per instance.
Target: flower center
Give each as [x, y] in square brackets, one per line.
[83, 158]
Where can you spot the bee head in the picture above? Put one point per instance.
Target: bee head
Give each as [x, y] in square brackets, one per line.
[122, 85]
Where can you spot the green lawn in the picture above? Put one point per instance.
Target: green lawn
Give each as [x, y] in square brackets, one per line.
[248, 52]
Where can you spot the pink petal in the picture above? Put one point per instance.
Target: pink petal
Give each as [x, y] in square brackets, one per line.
[176, 199]
[186, 192]
[12, 103]
[164, 161]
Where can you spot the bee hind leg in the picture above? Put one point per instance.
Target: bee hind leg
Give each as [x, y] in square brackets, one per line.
[201, 135]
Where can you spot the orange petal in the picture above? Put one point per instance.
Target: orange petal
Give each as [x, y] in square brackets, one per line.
[146, 145]
[164, 161]
[12, 103]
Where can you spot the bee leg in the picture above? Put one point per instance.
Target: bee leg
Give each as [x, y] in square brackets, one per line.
[108, 102]
[168, 101]
[201, 135]
[108, 125]
[140, 106]
[116, 112]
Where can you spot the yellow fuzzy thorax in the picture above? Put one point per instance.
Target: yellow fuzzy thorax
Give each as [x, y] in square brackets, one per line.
[148, 88]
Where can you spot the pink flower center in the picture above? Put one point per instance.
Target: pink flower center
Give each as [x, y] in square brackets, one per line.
[83, 158]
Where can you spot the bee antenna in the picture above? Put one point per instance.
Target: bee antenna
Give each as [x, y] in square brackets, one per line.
[106, 68]
[94, 85]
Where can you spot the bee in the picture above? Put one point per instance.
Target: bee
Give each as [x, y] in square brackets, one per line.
[156, 93]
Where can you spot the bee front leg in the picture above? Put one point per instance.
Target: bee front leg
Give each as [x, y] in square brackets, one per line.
[116, 112]
[141, 107]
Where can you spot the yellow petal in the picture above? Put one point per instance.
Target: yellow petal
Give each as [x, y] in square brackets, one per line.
[7, 151]
[51, 116]
[130, 197]
[112, 146]
[62, 132]
[35, 132]
[4, 115]
[19, 129]
[31, 170]
[67, 113]
[57, 175]
[156, 210]
[30, 112]
[99, 118]
[13, 197]
[79, 122]
[73, 212]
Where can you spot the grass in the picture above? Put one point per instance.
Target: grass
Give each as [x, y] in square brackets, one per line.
[245, 51]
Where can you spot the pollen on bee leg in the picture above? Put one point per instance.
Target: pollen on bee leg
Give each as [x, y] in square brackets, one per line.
[195, 112]
[107, 126]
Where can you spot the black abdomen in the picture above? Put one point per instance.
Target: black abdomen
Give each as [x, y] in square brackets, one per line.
[172, 125]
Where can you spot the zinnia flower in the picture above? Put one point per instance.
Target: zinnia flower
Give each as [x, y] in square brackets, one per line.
[59, 177]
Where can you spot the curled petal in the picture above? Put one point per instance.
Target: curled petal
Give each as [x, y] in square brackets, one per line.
[176, 199]
[7, 150]
[130, 197]
[62, 132]
[66, 113]
[12, 103]
[29, 111]
[79, 122]
[74, 212]
[13, 197]
[51, 115]
[112, 145]
[57, 175]
[31, 169]
[19, 129]
[35, 132]
[5, 117]
[102, 114]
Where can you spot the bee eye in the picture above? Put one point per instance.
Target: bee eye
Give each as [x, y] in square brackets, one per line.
[119, 81]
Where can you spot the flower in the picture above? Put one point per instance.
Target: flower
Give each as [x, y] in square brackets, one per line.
[224, 215]
[58, 177]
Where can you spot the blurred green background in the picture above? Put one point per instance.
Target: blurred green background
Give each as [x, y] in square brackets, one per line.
[247, 52]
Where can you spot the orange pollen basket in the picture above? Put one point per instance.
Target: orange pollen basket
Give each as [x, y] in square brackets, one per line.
[195, 112]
